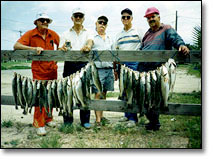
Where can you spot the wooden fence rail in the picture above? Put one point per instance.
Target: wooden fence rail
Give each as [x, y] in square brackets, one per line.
[105, 55]
[121, 106]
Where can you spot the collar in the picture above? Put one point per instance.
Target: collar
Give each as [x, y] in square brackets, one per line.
[161, 26]
[36, 32]
[128, 30]
[72, 29]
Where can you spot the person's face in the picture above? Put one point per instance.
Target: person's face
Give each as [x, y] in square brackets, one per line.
[153, 20]
[101, 25]
[78, 18]
[126, 18]
[43, 23]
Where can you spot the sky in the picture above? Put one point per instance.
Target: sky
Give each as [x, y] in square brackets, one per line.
[17, 17]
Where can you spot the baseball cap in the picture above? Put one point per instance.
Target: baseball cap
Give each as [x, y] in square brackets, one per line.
[42, 15]
[103, 18]
[126, 10]
[151, 10]
[78, 10]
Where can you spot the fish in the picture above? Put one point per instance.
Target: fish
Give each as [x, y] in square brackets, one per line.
[121, 82]
[54, 94]
[69, 100]
[75, 99]
[35, 93]
[153, 81]
[141, 101]
[165, 86]
[19, 90]
[60, 95]
[29, 93]
[64, 100]
[96, 80]
[40, 97]
[88, 79]
[158, 87]
[148, 91]
[172, 75]
[14, 90]
[129, 90]
[49, 98]
[45, 94]
[24, 92]
[135, 86]
[78, 89]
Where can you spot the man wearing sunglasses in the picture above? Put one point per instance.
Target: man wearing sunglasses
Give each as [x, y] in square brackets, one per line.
[102, 41]
[78, 38]
[158, 37]
[128, 39]
[39, 39]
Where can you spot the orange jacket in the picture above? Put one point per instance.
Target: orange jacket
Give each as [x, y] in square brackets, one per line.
[42, 70]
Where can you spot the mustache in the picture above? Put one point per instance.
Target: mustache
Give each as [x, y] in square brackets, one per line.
[151, 21]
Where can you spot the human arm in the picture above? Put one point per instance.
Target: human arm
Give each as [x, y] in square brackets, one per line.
[19, 46]
[88, 46]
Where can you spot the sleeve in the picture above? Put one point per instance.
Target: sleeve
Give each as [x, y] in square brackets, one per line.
[173, 38]
[140, 34]
[25, 39]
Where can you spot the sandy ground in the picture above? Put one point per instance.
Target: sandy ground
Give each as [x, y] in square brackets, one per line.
[184, 83]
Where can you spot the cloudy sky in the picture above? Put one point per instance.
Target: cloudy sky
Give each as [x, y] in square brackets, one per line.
[17, 17]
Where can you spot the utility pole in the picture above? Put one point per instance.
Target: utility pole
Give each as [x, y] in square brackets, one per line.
[176, 19]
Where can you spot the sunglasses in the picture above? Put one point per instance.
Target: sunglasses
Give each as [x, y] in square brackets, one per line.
[42, 20]
[78, 15]
[102, 22]
[125, 17]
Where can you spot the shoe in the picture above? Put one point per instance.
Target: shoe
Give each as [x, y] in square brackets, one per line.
[154, 127]
[51, 124]
[123, 119]
[131, 123]
[87, 125]
[98, 125]
[41, 131]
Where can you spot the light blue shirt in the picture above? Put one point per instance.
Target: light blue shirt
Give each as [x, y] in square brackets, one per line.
[101, 44]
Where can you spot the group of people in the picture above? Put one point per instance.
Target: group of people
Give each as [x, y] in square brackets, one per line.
[158, 37]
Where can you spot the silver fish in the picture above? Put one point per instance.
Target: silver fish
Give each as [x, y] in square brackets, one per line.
[35, 93]
[142, 92]
[14, 90]
[54, 94]
[153, 81]
[78, 88]
[29, 93]
[121, 82]
[129, 90]
[49, 98]
[96, 80]
[60, 92]
[172, 75]
[165, 85]
[19, 90]
[148, 90]
[70, 99]
[24, 92]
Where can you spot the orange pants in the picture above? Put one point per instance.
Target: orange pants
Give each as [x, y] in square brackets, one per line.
[40, 119]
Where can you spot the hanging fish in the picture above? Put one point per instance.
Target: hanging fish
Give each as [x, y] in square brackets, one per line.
[165, 85]
[172, 75]
[14, 90]
[29, 93]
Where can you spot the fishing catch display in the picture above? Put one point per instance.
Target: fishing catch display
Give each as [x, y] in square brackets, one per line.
[150, 89]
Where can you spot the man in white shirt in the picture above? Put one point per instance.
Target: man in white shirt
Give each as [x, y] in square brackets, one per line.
[102, 41]
[128, 39]
[76, 38]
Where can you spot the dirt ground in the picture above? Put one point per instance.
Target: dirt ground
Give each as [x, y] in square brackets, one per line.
[184, 84]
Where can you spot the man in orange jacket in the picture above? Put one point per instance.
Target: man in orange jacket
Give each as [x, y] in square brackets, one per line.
[39, 39]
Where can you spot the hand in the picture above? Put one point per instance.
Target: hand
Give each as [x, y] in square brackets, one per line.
[116, 75]
[63, 48]
[86, 49]
[38, 50]
[184, 50]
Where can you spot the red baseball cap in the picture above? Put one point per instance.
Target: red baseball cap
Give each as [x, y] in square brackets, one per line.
[151, 10]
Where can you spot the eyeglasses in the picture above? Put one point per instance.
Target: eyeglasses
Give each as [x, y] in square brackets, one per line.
[78, 15]
[42, 20]
[125, 17]
[102, 22]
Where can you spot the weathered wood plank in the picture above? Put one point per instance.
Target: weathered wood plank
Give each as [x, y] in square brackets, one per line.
[121, 106]
[105, 55]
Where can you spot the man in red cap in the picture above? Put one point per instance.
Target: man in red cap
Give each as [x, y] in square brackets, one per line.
[158, 37]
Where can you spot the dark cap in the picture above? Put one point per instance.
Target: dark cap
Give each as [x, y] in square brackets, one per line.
[103, 18]
[126, 10]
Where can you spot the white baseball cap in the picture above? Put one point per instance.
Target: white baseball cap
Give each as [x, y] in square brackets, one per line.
[42, 15]
[78, 10]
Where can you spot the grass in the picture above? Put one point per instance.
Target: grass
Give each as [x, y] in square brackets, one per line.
[7, 124]
[193, 98]
[52, 141]
[15, 65]
[192, 69]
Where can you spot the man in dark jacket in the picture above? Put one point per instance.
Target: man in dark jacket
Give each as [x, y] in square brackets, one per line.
[158, 37]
